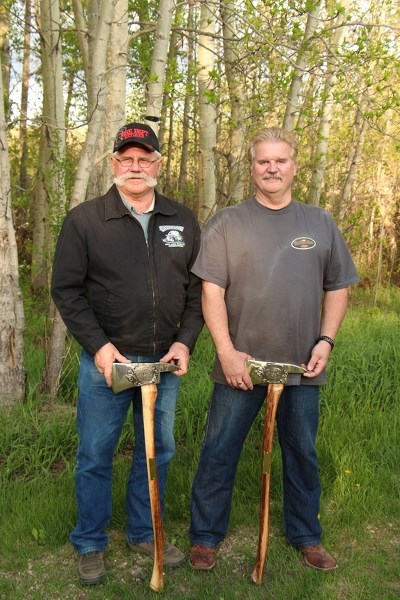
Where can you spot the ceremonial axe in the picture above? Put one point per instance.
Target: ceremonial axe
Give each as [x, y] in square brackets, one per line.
[275, 375]
[146, 376]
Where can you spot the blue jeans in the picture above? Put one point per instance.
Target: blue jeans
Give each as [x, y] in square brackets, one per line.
[100, 417]
[230, 417]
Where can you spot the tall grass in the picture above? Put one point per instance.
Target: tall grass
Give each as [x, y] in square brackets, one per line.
[359, 453]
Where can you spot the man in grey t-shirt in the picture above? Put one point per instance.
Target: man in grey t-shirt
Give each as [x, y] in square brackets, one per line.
[268, 266]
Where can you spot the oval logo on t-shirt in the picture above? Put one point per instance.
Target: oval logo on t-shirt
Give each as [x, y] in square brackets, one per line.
[303, 243]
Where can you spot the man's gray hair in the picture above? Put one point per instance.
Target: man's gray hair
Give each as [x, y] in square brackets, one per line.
[273, 134]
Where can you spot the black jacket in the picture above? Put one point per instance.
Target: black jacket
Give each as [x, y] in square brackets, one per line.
[110, 285]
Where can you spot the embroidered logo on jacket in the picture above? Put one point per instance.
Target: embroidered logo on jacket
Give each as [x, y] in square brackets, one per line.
[174, 237]
[303, 243]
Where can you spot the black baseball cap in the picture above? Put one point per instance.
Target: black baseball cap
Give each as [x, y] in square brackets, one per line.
[137, 133]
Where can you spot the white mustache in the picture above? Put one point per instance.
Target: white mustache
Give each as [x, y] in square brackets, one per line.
[122, 179]
[272, 177]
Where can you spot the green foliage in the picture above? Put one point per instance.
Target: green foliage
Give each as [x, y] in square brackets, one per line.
[142, 15]
[359, 455]
[35, 442]
[153, 78]
[211, 96]
[39, 535]
[269, 40]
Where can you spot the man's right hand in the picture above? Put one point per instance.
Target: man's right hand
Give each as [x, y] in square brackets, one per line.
[234, 368]
[104, 359]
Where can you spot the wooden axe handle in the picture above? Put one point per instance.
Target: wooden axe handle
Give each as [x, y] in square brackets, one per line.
[274, 393]
[149, 396]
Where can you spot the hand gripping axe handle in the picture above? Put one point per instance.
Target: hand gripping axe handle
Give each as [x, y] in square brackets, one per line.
[275, 375]
[146, 376]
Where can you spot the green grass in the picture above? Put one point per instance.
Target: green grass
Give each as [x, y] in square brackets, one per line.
[359, 457]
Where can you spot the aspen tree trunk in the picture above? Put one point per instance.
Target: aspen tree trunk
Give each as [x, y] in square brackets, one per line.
[23, 175]
[155, 86]
[50, 191]
[39, 272]
[162, 125]
[384, 199]
[167, 130]
[12, 373]
[115, 81]
[378, 281]
[360, 130]
[238, 103]
[5, 57]
[371, 239]
[207, 115]
[68, 100]
[293, 103]
[183, 171]
[322, 147]
[83, 37]
[307, 92]
[97, 103]
[167, 178]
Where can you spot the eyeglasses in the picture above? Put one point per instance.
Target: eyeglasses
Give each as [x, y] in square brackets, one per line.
[143, 162]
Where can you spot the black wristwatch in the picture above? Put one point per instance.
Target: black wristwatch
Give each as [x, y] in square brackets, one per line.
[326, 338]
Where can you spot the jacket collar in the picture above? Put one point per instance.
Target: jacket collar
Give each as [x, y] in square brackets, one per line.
[114, 208]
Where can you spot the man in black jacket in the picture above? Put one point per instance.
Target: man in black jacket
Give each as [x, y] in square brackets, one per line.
[123, 285]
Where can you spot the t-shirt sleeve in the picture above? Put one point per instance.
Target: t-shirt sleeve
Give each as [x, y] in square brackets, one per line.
[340, 271]
[212, 261]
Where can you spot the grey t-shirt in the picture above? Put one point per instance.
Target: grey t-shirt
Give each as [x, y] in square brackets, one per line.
[274, 266]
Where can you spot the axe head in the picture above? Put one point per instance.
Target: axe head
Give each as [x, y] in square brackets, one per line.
[129, 375]
[263, 373]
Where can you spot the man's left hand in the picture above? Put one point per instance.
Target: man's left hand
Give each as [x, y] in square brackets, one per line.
[318, 360]
[178, 355]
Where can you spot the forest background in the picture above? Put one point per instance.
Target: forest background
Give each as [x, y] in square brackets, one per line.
[206, 75]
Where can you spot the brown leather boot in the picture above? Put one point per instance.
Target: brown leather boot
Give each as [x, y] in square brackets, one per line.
[91, 567]
[202, 557]
[173, 557]
[318, 558]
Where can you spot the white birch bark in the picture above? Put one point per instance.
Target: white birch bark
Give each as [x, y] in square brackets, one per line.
[12, 373]
[82, 35]
[50, 189]
[183, 170]
[50, 192]
[360, 130]
[40, 229]
[97, 102]
[207, 115]
[23, 172]
[5, 53]
[238, 103]
[293, 103]
[322, 147]
[97, 92]
[155, 86]
[115, 82]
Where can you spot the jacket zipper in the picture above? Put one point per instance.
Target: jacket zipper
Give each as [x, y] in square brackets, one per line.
[153, 297]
